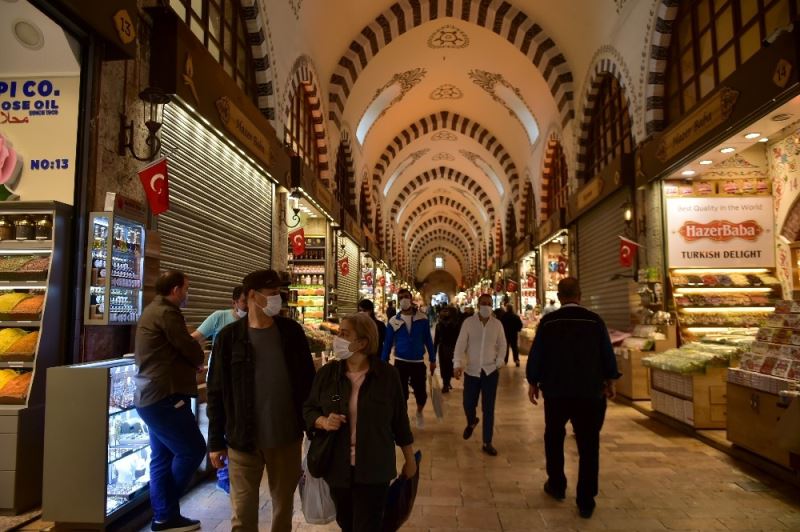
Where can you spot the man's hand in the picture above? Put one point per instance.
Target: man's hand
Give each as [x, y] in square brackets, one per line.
[533, 394]
[409, 468]
[610, 389]
[334, 422]
[433, 367]
[218, 458]
[457, 373]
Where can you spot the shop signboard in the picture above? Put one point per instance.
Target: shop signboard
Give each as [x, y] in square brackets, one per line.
[550, 226]
[243, 129]
[615, 175]
[352, 228]
[720, 232]
[115, 21]
[507, 258]
[522, 247]
[32, 109]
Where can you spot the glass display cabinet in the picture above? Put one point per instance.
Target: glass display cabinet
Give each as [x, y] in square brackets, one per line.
[114, 270]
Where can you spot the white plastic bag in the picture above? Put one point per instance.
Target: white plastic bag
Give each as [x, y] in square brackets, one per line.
[436, 397]
[315, 496]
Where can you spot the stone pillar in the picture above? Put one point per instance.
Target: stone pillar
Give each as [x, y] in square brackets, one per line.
[280, 233]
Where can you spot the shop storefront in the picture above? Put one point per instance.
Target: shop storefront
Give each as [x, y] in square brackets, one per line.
[367, 284]
[725, 175]
[554, 257]
[598, 211]
[528, 306]
[383, 284]
[308, 264]
[348, 267]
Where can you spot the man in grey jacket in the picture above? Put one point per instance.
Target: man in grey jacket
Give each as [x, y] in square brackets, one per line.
[168, 359]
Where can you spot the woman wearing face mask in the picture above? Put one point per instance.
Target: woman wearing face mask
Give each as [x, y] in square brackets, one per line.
[444, 341]
[360, 397]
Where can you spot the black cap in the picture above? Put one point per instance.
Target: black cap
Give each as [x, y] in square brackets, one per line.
[263, 279]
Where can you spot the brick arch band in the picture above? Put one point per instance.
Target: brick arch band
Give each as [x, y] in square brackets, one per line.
[435, 177]
[436, 201]
[441, 250]
[447, 223]
[666, 11]
[442, 213]
[260, 49]
[345, 150]
[459, 124]
[419, 241]
[498, 16]
[437, 246]
[303, 78]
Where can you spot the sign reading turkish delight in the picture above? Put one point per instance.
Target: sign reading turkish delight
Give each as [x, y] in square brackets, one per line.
[719, 232]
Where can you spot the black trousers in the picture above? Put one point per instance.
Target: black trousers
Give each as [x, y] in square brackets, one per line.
[513, 343]
[445, 360]
[414, 373]
[587, 416]
[359, 508]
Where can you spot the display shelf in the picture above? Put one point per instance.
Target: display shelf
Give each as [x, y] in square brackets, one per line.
[22, 285]
[39, 246]
[21, 323]
[307, 287]
[309, 261]
[115, 454]
[17, 364]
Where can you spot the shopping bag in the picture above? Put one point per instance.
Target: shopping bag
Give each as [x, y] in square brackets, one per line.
[400, 499]
[436, 397]
[788, 428]
[315, 496]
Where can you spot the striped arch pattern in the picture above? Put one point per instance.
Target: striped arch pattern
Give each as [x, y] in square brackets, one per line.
[601, 68]
[259, 46]
[435, 202]
[657, 66]
[547, 171]
[526, 194]
[447, 222]
[498, 16]
[351, 197]
[419, 241]
[415, 260]
[304, 79]
[443, 251]
[366, 216]
[511, 226]
[436, 176]
[457, 123]
[444, 213]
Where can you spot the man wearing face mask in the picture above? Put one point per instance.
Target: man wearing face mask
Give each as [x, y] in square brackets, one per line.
[260, 375]
[167, 360]
[409, 333]
[480, 350]
[367, 307]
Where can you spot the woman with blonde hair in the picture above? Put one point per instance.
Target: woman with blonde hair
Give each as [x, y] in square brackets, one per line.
[359, 397]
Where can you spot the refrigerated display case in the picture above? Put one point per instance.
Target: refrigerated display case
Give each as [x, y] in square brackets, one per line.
[114, 270]
[34, 263]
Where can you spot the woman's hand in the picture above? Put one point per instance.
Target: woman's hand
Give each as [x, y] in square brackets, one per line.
[332, 422]
[409, 468]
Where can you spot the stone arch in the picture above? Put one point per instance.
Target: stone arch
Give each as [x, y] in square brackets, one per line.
[437, 201]
[304, 78]
[421, 239]
[603, 67]
[473, 228]
[552, 151]
[656, 64]
[528, 213]
[498, 16]
[261, 48]
[440, 250]
[447, 222]
[345, 166]
[509, 238]
[459, 124]
[436, 176]
[467, 268]
[365, 203]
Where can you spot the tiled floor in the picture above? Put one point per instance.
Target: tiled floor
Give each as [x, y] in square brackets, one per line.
[652, 478]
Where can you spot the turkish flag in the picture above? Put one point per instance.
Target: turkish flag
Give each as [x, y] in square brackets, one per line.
[298, 241]
[627, 252]
[156, 185]
[344, 266]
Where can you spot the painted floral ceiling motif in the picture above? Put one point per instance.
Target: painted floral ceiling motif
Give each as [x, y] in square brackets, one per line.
[448, 36]
[444, 156]
[510, 97]
[391, 93]
[447, 92]
[619, 4]
[444, 135]
[296, 6]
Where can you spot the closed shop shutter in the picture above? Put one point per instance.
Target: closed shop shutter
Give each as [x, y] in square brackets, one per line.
[347, 290]
[598, 262]
[219, 226]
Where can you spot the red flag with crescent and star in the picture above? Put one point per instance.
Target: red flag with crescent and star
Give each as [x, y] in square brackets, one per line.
[627, 252]
[344, 266]
[298, 241]
[156, 185]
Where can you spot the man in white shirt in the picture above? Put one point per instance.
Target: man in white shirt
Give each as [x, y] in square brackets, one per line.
[479, 354]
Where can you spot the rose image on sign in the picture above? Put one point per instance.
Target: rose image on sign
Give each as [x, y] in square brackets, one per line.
[720, 230]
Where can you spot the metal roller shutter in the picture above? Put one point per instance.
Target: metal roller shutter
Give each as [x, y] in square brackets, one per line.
[598, 262]
[347, 290]
[219, 226]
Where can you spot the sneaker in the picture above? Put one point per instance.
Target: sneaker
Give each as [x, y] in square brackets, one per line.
[224, 486]
[420, 420]
[489, 449]
[586, 510]
[556, 494]
[470, 428]
[178, 524]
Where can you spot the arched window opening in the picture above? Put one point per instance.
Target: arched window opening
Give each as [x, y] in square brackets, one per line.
[610, 132]
[300, 135]
[556, 178]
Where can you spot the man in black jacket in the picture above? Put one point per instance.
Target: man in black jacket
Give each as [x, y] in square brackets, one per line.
[260, 375]
[512, 325]
[367, 306]
[573, 364]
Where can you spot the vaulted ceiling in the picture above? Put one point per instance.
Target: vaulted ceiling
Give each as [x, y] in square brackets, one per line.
[447, 104]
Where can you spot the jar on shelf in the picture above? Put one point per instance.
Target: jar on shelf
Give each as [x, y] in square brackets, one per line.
[6, 229]
[24, 228]
[44, 228]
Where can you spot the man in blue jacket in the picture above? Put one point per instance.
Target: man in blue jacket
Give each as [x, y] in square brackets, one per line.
[409, 333]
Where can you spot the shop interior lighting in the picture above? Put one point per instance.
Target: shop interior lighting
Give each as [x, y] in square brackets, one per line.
[706, 162]
[28, 34]
[763, 139]
[725, 310]
[691, 271]
[688, 173]
[153, 101]
[706, 330]
[727, 150]
[751, 136]
[702, 290]
[295, 202]
[781, 117]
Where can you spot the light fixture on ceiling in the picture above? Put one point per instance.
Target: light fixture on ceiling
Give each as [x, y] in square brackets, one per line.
[688, 173]
[295, 199]
[153, 101]
[751, 136]
[706, 162]
[763, 139]
[28, 34]
[781, 117]
[727, 150]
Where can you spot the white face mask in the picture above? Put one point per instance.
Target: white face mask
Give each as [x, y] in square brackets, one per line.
[486, 311]
[405, 304]
[341, 348]
[273, 307]
[241, 313]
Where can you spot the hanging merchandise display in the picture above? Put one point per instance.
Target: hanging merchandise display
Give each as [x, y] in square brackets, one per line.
[554, 257]
[367, 283]
[348, 268]
[210, 186]
[308, 256]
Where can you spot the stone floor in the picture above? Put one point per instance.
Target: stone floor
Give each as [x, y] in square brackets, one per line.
[652, 478]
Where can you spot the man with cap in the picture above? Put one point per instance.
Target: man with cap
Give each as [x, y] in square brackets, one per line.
[260, 375]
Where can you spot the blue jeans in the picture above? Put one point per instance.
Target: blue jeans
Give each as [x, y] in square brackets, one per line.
[484, 386]
[177, 450]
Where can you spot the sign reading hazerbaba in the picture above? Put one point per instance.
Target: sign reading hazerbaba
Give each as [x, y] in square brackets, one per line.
[719, 232]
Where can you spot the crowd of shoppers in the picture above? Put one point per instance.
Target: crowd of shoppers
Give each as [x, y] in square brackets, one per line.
[263, 395]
